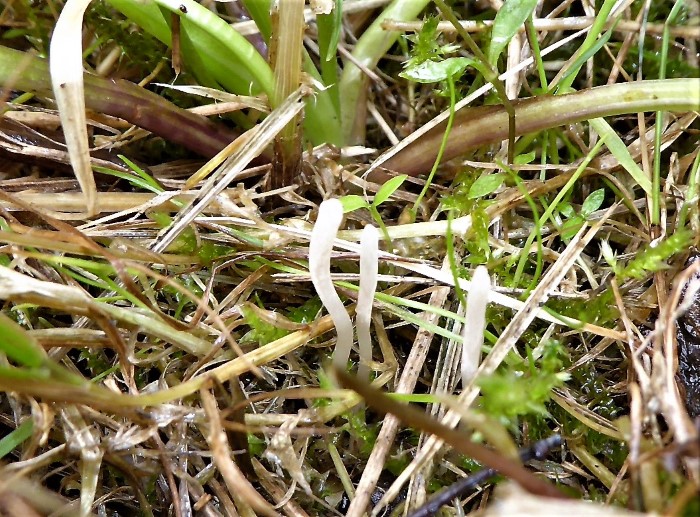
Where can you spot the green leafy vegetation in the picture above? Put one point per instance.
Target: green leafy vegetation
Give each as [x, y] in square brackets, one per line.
[524, 389]
[142, 344]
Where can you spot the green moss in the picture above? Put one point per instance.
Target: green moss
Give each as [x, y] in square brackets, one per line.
[141, 52]
[525, 388]
[363, 433]
[305, 313]
[260, 331]
[478, 241]
[599, 309]
[459, 199]
[651, 259]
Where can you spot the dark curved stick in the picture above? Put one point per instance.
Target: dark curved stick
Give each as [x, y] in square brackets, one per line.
[457, 490]
[379, 401]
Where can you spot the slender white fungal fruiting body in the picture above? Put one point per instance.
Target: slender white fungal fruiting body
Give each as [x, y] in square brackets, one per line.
[66, 69]
[475, 324]
[330, 215]
[369, 267]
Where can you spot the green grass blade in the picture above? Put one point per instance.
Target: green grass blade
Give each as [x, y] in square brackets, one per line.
[210, 45]
[602, 18]
[619, 150]
[655, 217]
[18, 345]
[329, 26]
[12, 440]
[371, 46]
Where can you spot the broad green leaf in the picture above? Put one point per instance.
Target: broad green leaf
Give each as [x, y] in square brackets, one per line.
[509, 19]
[353, 202]
[570, 227]
[485, 185]
[593, 202]
[388, 189]
[566, 209]
[436, 71]
[18, 345]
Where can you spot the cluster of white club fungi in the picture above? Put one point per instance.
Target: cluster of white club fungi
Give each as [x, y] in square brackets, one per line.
[330, 217]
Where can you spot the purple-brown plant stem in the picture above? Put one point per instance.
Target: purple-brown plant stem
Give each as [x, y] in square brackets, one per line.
[123, 99]
[482, 125]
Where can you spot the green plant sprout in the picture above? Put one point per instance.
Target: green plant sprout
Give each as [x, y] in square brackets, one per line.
[656, 171]
[202, 280]
[426, 70]
[549, 211]
[353, 202]
[524, 390]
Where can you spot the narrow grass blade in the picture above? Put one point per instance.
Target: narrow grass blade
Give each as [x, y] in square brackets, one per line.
[12, 440]
[619, 150]
[66, 68]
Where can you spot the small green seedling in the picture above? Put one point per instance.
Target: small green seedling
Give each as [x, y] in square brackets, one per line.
[354, 202]
[485, 185]
[574, 220]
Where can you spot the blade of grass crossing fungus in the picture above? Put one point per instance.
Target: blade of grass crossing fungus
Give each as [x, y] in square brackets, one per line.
[369, 266]
[418, 419]
[66, 68]
[475, 324]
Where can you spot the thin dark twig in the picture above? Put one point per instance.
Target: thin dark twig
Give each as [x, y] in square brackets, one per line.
[379, 401]
[457, 490]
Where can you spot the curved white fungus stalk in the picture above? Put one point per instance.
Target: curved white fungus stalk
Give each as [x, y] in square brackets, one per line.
[330, 215]
[369, 266]
[475, 324]
[66, 69]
